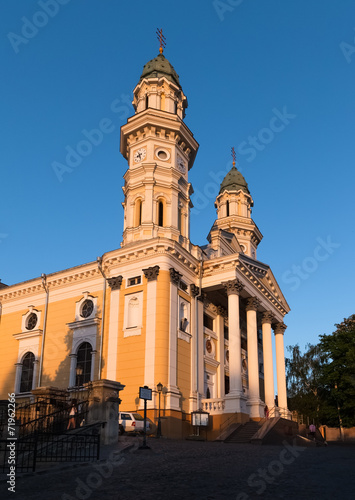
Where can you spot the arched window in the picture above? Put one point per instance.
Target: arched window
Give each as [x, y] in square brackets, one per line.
[27, 372]
[175, 107]
[160, 213]
[139, 212]
[133, 313]
[146, 101]
[83, 364]
[227, 206]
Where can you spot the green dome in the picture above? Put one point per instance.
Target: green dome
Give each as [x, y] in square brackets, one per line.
[234, 181]
[160, 66]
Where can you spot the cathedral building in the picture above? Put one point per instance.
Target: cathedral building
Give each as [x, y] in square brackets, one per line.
[159, 310]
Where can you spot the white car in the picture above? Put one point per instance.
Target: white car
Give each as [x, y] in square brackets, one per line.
[134, 422]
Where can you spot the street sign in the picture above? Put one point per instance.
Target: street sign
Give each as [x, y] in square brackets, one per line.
[145, 393]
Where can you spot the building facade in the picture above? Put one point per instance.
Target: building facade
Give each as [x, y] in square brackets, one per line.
[197, 319]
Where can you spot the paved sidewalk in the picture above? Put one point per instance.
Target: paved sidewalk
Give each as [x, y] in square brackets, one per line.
[199, 470]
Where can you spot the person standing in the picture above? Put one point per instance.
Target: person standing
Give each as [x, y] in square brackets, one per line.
[72, 416]
[312, 431]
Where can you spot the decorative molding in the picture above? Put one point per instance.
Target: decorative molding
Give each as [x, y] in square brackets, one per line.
[184, 336]
[221, 311]
[268, 317]
[175, 276]
[233, 287]
[28, 334]
[279, 328]
[253, 304]
[115, 282]
[151, 273]
[83, 323]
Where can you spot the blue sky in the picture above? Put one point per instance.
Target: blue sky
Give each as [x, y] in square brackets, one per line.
[242, 65]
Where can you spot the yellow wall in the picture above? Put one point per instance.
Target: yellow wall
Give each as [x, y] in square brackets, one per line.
[183, 373]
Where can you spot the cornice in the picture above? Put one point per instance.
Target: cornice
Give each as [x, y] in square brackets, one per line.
[55, 280]
[233, 262]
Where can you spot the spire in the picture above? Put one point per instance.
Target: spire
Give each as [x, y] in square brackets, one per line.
[161, 39]
[233, 156]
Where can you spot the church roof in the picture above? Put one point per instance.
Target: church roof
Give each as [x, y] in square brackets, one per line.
[160, 66]
[234, 181]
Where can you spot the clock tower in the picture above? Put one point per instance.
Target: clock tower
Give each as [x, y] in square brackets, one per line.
[160, 150]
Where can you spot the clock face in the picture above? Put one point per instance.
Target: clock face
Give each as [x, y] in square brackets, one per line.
[181, 164]
[140, 155]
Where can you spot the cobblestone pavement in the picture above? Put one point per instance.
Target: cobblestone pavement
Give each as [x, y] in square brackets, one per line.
[197, 470]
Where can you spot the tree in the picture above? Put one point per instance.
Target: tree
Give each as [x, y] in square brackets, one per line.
[338, 372]
[303, 375]
[321, 382]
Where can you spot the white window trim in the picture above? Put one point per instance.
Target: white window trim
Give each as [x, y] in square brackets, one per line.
[135, 330]
[78, 305]
[31, 309]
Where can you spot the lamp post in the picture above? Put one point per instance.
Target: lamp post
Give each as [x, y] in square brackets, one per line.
[160, 388]
[79, 372]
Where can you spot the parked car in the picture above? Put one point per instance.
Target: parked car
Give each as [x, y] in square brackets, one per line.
[134, 422]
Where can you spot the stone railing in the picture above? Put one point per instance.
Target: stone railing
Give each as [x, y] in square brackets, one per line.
[213, 406]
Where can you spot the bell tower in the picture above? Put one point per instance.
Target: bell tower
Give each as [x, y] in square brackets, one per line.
[234, 204]
[160, 150]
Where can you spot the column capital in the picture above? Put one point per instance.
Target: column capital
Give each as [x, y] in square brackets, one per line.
[252, 304]
[222, 312]
[174, 276]
[115, 282]
[233, 287]
[194, 290]
[267, 317]
[151, 273]
[279, 328]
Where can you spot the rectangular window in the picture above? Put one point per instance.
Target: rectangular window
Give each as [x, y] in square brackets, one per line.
[208, 322]
[134, 281]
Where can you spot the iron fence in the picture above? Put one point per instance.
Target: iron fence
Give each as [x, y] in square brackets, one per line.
[27, 452]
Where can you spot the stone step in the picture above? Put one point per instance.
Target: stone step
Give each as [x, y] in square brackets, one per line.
[243, 434]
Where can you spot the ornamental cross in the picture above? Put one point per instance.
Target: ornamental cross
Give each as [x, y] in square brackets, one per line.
[161, 39]
[233, 156]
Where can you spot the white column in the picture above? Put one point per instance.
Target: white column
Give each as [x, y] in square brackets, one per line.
[35, 373]
[253, 358]
[220, 354]
[280, 367]
[268, 363]
[72, 369]
[115, 285]
[18, 377]
[193, 386]
[233, 289]
[173, 395]
[151, 274]
[93, 357]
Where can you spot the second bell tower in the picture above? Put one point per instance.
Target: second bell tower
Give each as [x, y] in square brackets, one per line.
[160, 150]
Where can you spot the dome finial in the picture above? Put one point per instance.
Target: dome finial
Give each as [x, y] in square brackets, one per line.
[233, 156]
[161, 39]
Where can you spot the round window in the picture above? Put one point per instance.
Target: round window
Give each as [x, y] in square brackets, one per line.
[162, 154]
[87, 308]
[31, 321]
[208, 346]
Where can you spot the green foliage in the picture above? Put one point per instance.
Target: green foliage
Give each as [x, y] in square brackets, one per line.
[338, 374]
[321, 381]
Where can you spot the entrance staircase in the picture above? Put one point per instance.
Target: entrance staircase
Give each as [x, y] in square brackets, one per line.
[244, 433]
